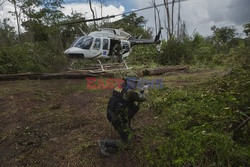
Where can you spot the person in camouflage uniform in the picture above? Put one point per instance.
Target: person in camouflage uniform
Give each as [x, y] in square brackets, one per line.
[122, 107]
[117, 52]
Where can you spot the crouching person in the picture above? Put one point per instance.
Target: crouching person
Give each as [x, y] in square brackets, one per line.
[122, 107]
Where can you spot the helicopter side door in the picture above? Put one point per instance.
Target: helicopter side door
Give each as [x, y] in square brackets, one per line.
[105, 47]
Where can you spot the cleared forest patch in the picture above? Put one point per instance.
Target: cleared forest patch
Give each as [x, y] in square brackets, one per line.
[57, 122]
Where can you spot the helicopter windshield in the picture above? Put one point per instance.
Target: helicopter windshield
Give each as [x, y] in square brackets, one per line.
[75, 42]
[84, 42]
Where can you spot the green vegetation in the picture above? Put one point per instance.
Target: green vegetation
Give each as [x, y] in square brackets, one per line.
[198, 115]
[40, 48]
[199, 124]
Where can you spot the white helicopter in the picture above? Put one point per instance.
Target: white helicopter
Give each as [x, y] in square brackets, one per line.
[107, 44]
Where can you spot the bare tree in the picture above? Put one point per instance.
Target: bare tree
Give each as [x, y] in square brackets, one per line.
[102, 2]
[14, 2]
[172, 18]
[179, 19]
[1, 2]
[93, 13]
[154, 4]
[159, 18]
[157, 14]
[168, 18]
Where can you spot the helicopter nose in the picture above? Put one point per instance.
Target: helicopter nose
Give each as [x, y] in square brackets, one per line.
[74, 53]
[66, 51]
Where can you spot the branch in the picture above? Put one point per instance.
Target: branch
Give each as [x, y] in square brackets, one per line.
[241, 125]
[1, 3]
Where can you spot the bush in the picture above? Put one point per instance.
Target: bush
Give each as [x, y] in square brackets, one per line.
[175, 52]
[194, 51]
[199, 124]
[29, 57]
[144, 54]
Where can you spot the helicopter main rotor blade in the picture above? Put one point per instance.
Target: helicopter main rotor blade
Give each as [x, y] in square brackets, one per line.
[88, 20]
[121, 14]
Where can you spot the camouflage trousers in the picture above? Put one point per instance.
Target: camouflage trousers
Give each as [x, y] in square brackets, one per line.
[124, 130]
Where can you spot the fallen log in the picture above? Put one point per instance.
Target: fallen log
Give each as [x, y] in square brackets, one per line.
[47, 76]
[159, 71]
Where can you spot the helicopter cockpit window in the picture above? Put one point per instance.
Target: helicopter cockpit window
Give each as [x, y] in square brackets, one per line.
[105, 44]
[84, 42]
[74, 42]
[97, 44]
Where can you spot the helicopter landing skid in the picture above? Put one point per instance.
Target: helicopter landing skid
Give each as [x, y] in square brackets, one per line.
[110, 67]
[77, 64]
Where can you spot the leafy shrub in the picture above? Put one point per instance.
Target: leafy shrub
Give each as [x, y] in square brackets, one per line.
[195, 50]
[199, 124]
[175, 52]
[143, 54]
[29, 57]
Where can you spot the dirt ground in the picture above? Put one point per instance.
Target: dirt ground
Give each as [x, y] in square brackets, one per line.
[57, 123]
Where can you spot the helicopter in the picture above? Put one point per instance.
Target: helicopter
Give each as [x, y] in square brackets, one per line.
[107, 44]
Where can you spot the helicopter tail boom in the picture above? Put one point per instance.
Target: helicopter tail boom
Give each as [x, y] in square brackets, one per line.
[157, 40]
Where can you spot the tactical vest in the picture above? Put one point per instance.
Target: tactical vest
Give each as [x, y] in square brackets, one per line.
[117, 105]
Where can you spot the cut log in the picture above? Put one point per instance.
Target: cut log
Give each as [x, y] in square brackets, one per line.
[159, 71]
[47, 76]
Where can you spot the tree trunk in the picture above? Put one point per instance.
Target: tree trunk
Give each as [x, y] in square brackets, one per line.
[172, 31]
[31, 32]
[1, 2]
[156, 29]
[168, 18]
[36, 76]
[150, 72]
[179, 19]
[159, 18]
[17, 17]
[93, 13]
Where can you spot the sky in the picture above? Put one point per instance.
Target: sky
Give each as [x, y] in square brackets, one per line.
[199, 15]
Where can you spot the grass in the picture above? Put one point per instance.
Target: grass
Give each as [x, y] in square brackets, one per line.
[65, 119]
[197, 122]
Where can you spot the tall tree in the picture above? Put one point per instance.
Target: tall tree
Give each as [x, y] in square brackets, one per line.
[93, 13]
[155, 16]
[133, 25]
[224, 34]
[179, 19]
[1, 2]
[17, 15]
[247, 29]
[172, 17]
[168, 18]
[7, 34]
[102, 2]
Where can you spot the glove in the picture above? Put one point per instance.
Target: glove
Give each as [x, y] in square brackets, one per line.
[145, 89]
